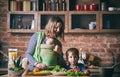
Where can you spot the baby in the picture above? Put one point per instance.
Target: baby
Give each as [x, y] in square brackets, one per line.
[48, 54]
[50, 41]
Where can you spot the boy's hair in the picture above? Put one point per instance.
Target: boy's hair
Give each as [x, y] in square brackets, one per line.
[49, 28]
[73, 50]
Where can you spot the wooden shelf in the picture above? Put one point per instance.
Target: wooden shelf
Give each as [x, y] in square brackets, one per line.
[73, 20]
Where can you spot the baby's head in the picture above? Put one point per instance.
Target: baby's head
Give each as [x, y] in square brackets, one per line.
[50, 41]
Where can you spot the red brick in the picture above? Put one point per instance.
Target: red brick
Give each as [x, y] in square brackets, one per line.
[98, 40]
[16, 44]
[115, 45]
[85, 39]
[10, 39]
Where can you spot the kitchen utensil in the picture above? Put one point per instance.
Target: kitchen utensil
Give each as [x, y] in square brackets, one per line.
[41, 73]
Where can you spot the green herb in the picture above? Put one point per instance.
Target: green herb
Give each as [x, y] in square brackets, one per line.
[59, 69]
[17, 64]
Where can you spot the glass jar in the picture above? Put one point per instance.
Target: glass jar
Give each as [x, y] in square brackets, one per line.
[19, 22]
[12, 53]
[19, 5]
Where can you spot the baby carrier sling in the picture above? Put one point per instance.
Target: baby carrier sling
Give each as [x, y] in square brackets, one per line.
[44, 53]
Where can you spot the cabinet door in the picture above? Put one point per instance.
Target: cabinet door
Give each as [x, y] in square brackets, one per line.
[22, 22]
[84, 22]
[110, 21]
[43, 18]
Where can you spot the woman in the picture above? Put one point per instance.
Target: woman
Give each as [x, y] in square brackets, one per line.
[53, 29]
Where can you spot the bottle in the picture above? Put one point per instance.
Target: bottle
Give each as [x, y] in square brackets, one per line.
[108, 24]
[32, 25]
[53, 7]
[19, 22]
[103, 6]
[60, 5]
[63, 5]
[48, 5]
[26, 5]
[19, 6]
[13, 24]
[33, 6]
[44, 5]
[12, 5]
[57, 5]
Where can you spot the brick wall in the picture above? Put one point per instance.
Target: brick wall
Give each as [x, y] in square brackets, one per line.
[101, 45]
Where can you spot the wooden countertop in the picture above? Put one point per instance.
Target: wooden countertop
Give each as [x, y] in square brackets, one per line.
[94, 73]
[43, 76]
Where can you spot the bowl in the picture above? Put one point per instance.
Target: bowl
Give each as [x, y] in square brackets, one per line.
[16, 73]
[59, 73]
[106, 71]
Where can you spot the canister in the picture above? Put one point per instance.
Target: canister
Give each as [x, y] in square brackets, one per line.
[13, 5]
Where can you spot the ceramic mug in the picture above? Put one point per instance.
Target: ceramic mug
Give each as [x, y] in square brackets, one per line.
[78, 7]
[92, 26]
[85, 7]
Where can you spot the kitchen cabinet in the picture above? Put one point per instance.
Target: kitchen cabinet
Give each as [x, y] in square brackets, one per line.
[75, 21]
[80, 21]
[28, 22]
[44, 16]
[110, 21]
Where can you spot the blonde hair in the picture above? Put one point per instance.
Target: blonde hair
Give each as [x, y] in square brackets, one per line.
[49, 28]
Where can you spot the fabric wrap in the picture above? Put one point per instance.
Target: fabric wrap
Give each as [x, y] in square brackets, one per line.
[36, 55]
[48, 55]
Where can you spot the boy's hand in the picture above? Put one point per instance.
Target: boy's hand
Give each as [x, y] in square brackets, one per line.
[75, 69]
[86, 72]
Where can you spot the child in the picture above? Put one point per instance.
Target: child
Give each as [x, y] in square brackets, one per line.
[72, 57]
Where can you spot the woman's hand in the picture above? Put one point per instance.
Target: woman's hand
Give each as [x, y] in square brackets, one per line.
[58, 49]
[41, 66]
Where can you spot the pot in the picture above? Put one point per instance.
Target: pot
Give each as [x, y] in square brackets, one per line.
[107, 71]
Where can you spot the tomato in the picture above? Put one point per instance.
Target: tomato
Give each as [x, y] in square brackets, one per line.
[36, 69]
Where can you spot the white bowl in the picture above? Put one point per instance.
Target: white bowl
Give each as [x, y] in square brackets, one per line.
[59, 73]
[14, 73]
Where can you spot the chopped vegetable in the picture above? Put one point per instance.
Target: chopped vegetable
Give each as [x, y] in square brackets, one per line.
[59, 69]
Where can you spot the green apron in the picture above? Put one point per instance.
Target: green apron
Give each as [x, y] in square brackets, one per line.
[36, 55]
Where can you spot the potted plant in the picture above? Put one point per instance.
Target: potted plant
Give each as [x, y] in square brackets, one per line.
[17, 68]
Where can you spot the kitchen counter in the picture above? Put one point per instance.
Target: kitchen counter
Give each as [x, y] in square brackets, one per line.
[50, 76]
[94, 73]
[3, 71]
